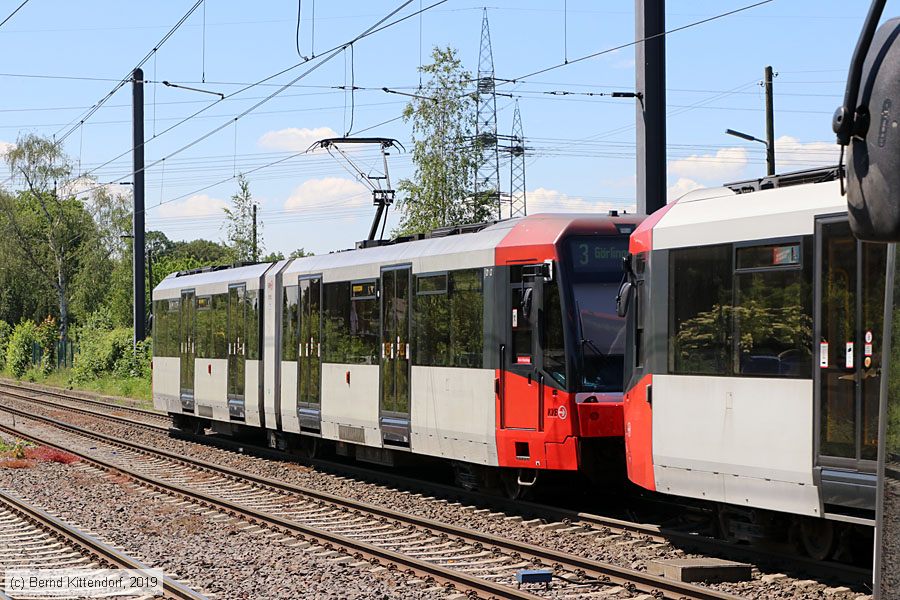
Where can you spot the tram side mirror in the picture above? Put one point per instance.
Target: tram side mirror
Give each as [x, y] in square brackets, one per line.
[623, 299]
[526, 303]
[873, 161]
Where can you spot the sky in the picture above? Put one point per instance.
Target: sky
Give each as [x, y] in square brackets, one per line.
[58, 58]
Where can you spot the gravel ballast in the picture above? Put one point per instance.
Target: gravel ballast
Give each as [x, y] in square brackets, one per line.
[626, 551]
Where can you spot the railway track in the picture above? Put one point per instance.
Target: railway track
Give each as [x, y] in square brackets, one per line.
[470, 560]
[599, 524]
[34, 539]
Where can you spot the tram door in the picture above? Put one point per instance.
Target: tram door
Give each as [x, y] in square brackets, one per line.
[188, 349]
[523, 385]
[395, 355]
[237, 350]
[850, 303]
[309, 355]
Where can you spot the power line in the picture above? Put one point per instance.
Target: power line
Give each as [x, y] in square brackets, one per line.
[629, 44]
[330, 54]
[80, 121]
[18, 8]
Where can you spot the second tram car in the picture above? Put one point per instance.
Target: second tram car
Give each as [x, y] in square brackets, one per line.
[494, 346]
[755, 364]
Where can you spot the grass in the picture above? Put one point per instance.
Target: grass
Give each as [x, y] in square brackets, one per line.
[133, 388]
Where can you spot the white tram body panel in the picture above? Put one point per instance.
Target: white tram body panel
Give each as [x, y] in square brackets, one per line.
[452, 419]
[165, 379]
[747, 441]
[208, 389]
[735, 440]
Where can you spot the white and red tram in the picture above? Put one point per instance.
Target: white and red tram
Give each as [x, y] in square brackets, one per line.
[754, 361]
[493, 346]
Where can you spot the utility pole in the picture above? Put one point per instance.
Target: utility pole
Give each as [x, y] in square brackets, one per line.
[137, 154]
[770, 124]
[254, 254]
[650, 87]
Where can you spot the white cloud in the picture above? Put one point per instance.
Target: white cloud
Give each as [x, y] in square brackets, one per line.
[90, 187]
[294, 139]
[327, 192]
[542, 200]
[794, 155]
[681, 187]
[725, 164]
[198, 205]
[6, 147]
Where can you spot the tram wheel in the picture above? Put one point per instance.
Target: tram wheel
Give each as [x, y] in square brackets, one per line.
[309, 447]
[510, 486]
[817, 537]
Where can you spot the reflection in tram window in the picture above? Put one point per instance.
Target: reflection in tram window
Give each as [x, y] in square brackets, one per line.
[449, 319]
[773, 324]
[700, 311]
[289, 323]
[351, 323]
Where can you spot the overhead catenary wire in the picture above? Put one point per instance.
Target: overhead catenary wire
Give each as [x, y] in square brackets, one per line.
[379, 26]
[635, 42]
[90, 112]
[13, 13]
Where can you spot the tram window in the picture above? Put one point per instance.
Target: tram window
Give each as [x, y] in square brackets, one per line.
[289, 323]
[700, 310]
[773, 324]
[219, 326]
[253, 302]
[431, 284]
[521, 330]
[431, 313]
[449, 319]
[158, 333]
[170, 338]
[554, 346]
[203, 323]
[351, 322]
[467, 318]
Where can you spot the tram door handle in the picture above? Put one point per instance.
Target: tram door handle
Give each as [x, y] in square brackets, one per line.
[540, 381]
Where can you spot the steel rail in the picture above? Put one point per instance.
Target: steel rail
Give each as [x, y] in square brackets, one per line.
[697, 542]
[59, 394]
[76, 537]
[620, 575]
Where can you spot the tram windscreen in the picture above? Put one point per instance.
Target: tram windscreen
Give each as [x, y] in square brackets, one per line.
[602, 343]
[596, 273]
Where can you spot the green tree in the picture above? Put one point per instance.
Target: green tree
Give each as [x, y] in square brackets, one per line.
[444, 155]
[239, 224]
[300, 253]
[205, 252]
[50, 229]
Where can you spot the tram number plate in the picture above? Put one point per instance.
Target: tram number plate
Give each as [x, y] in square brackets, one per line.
[823, 355]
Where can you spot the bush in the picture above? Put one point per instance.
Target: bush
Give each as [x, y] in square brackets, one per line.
[110, 351]
[5, 333]
[47, 335]
[99, 351]
[137, 363]
[18, 349]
